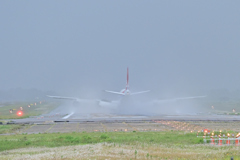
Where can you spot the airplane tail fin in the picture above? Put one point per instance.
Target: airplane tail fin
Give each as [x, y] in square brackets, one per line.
[126, 90]
[127, 85]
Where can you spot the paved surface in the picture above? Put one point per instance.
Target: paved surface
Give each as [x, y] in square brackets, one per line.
[92, 127]
[90, 113]
[73, 117]
[60, 121]
[126, 123]
[129, 126]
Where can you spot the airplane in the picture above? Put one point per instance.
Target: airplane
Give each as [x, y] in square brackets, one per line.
[105, 103]
[124, 92]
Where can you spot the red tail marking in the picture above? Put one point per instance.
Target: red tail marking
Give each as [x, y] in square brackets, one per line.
[127, 78]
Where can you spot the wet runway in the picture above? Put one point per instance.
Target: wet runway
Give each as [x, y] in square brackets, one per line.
[87, 121]
[97, 117]
[110, 123]
[68, 113]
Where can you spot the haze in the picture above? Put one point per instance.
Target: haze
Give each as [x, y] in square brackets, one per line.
[78, 48]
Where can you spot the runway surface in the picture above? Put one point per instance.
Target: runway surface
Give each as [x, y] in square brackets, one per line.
[60, 115]
[128, 124]
[60, 120]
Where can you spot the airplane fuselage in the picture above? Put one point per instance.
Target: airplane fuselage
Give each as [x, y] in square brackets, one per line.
[125, 91]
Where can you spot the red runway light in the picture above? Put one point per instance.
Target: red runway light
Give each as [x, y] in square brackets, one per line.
[19, 113]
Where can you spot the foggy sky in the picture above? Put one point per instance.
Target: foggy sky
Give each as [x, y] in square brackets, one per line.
[75, 46]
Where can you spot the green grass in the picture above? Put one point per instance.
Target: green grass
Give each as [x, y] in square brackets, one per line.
[33, 110]
[137, 145]
[140, 145]
[65, 139]
[8, 128]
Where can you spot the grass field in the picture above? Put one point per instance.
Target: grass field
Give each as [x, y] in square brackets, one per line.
[8, 128]
[28, 109]
[63, 139]
[113, 145]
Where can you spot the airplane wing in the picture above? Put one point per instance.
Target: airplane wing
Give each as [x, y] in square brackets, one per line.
[119, 93]
[59, 97]
[74, 98]
[82, 100]
[175, 99]
[101, 102]
[139, 92]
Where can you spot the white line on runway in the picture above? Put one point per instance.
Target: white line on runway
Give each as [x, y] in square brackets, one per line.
[67, 116]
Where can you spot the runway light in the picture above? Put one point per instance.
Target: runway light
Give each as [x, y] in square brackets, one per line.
[29, 106]
[237, 135]
[19, 113]
[21, 108]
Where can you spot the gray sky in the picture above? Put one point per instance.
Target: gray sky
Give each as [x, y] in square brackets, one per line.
[169, 46]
